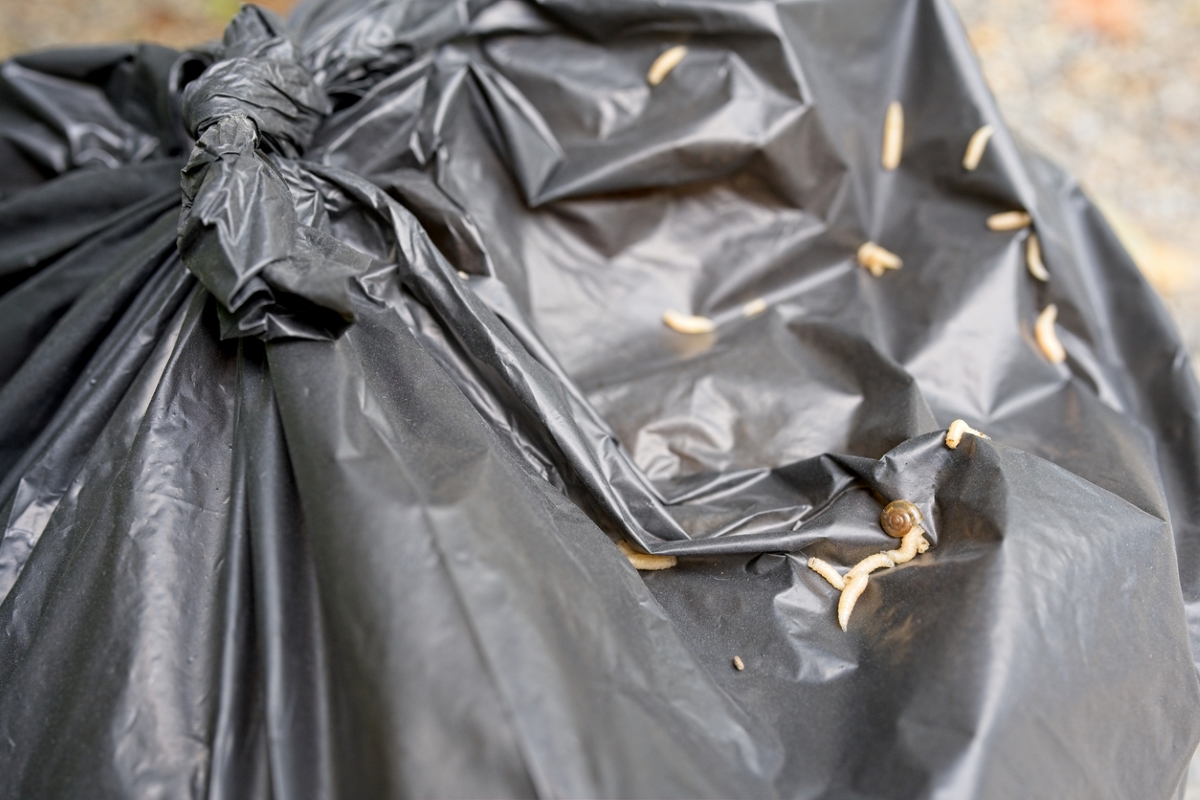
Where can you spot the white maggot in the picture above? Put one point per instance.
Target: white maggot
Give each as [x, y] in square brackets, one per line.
[1033, 258]
[854, 589]
[1047, 339]
[826, 571]
[1009, 221]
[644, 561]
[956, 430]
[685, 323]
[910, 545]
[754, 307]
[869, 565]
[877, 260]
[975, 147]
[667, 61]
[893, 136]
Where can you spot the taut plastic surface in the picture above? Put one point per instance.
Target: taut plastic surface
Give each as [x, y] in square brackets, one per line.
[332, 366]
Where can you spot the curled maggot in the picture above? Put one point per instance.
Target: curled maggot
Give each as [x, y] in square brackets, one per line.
[686, 323]
[1047, 338]
[1033, 259]
[1009, 221]
[975, 147]
[876, 259]
[644, 561]
[956, 431]
[854, 589]
[754, 307]
[826, 571]
[668, 60]
[901, 519]
[910, 546]
[869, 565]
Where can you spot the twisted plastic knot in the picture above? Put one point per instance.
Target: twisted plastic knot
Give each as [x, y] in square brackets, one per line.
[239, 231]
[279, 96]
[260, 78]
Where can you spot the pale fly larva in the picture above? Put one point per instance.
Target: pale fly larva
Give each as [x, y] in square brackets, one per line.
[644, 561]
[869, 565]
[463, 275]
[827, 572]
[1033, 258]
[684, 323]
[754, 307]
[738, 663]
[975, 147]
[956, 430]
[893, 136]
[856, 579]
[877, 260]
[900, 519]
[854, 589]
[914, 542]
[1009, 221]
[667, 61]
[1047, 339]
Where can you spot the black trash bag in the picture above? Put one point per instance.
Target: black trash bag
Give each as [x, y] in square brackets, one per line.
[312, 472]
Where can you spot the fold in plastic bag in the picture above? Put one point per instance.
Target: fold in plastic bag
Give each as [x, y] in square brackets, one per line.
[333, 366]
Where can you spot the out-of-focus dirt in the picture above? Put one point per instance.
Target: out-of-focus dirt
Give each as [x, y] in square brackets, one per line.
[37, 24]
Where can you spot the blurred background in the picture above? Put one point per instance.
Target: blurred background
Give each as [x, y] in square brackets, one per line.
[1110, 89]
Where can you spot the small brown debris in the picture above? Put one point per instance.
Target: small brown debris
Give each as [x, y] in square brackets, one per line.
[826, 571]
[644, 561]
[893, 136]
[975, 147]
[1033, 258]
[877, 260]
[685, 323]
[738, 664]
[1047, 339]
[754, 307]
[667, 61]
[1009, 221]
[956, 430]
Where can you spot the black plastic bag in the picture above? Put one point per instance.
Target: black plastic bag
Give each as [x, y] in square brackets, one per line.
[311, 483]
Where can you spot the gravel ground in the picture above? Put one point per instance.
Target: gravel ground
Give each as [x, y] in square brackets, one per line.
[1110, 89]
[35, 24]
